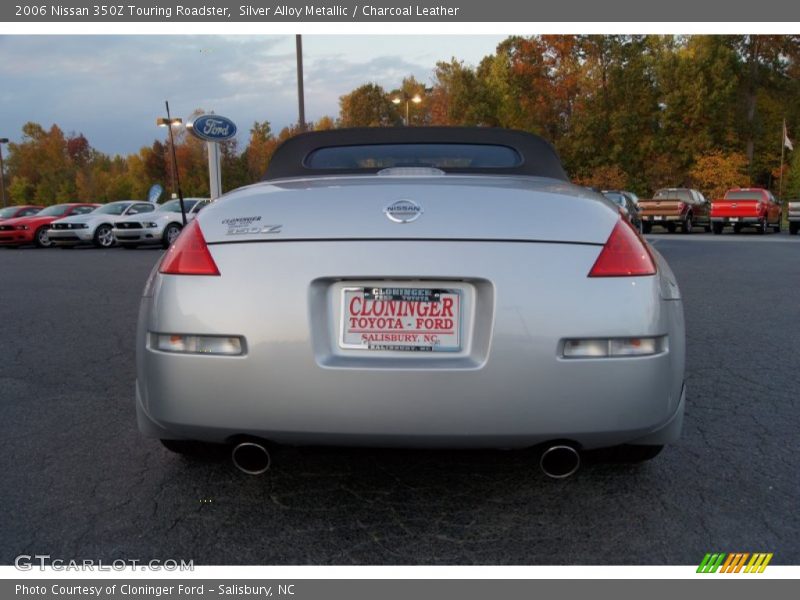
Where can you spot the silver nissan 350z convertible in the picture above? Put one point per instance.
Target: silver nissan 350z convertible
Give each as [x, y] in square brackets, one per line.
[413, 287]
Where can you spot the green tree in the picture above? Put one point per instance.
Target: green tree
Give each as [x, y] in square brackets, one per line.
[367, 106]
[233, 165]
[791, 183]
[613, 114]
[418, 112]
[458, 96]
[20, 191]
[155, 163]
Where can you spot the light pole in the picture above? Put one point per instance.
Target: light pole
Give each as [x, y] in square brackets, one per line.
[2, 172]
[169, 123]
[416, 99]
[301, 102]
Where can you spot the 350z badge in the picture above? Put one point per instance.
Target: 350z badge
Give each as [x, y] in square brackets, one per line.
[249, 226]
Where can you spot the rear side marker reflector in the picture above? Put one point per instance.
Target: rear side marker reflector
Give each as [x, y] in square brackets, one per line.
[189, 254]
[198, 344]
[614, 347]
[625, 254]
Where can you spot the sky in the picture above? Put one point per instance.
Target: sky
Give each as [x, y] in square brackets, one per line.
[112, 88]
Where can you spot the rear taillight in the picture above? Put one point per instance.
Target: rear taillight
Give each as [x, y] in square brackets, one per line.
[625, 254]
[189, 254]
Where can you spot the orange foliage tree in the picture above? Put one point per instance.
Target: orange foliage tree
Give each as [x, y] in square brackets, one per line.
[715, 172]
[604, 177]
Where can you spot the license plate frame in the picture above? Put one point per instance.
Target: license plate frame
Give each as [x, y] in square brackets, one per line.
[441, 330]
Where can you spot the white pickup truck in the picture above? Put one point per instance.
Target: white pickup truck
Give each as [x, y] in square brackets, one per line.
[794, 216]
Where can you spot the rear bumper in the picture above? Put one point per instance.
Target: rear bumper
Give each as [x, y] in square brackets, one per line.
[656, 219]
[508, 388]
[664, 431]
[737, 220]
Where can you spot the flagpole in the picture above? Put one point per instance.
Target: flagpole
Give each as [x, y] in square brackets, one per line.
[783, 152]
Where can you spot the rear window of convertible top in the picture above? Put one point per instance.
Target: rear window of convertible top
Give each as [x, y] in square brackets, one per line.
[440, 156]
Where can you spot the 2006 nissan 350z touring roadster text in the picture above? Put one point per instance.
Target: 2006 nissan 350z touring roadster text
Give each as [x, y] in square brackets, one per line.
[414, 287]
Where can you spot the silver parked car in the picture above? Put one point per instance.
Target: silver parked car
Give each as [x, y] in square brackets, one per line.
[628, 203]
[96, 226]
[416, 287]
[160, 227]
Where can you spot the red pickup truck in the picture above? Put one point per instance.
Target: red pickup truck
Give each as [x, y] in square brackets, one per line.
[746, 207]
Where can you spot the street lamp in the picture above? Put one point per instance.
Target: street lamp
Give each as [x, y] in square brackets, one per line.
[301, 99]
[2, 172]
[162, 123]
[169, 123]
[416, 99]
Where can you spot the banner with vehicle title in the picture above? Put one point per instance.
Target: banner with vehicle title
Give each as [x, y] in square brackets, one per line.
[508, 11]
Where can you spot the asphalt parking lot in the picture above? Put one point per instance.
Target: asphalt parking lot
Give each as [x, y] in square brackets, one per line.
[79, 482]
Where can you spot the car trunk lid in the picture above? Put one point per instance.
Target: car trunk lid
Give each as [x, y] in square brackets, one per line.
[501, 208]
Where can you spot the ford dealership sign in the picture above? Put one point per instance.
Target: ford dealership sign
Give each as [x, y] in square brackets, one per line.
[212, 128]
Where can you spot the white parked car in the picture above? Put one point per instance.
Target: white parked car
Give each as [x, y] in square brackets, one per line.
[159, 227]
[95, 227]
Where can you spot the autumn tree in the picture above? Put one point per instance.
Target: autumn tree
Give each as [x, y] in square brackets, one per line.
[324, 124]
[605, 177]
[418, 112]
[541, 82]
[367, 106]
[615, 116]
[716, 172]
[42, 159]
[762, 58]
[632, 111]
[259, 149]
[458, 96]
[154, 158]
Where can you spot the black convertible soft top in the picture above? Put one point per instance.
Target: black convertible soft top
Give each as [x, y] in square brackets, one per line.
[474, 150]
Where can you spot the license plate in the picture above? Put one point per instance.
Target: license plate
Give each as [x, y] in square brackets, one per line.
[733, 219]
[657, 218]
[401, 319]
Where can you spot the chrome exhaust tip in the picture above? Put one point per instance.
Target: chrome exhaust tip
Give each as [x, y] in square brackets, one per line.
[251, 458]
[560, 462]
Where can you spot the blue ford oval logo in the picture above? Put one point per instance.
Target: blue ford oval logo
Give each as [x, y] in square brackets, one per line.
[212, 128]
[403, 211]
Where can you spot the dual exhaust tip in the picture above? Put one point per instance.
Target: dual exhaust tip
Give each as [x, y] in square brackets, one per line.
[560, 461]
[251, 458]
[557, 461]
